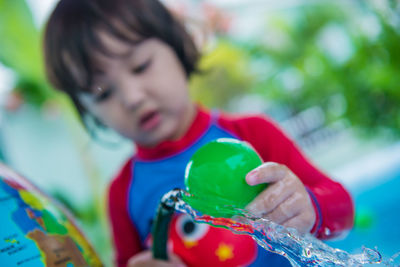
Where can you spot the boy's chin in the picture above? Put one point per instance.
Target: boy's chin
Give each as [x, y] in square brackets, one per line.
[152, 142]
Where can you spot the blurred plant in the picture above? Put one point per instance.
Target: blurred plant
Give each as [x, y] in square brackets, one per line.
[334, 60]
[341, 56]
[223, 75]
[20, 50]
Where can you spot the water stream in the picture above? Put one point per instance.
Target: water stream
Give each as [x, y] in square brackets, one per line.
[299, 249]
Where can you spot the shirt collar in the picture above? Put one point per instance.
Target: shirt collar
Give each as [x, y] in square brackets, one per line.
[168, 148]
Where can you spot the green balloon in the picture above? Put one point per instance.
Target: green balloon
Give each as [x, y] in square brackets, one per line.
[215, 177]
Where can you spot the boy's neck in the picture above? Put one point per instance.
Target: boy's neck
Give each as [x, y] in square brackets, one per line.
[190, 115]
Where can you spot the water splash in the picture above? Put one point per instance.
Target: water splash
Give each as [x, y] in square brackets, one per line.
[394, 261]
[299, 249]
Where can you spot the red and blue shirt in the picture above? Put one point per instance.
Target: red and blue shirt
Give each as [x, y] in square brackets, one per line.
[135, 193]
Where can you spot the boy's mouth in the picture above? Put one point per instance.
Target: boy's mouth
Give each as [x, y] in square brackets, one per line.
[149, 120]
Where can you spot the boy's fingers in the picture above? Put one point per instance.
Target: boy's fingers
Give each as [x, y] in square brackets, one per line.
[286, 210]
[300, 222]
[145, 258]
[269, 172]
[176, 260]
[269, 199]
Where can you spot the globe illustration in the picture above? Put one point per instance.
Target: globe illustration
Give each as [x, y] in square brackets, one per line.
[35, 231]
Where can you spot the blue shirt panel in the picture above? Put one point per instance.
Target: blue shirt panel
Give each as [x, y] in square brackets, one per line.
[152, 179]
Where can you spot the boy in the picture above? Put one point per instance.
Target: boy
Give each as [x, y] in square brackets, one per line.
[127, 63]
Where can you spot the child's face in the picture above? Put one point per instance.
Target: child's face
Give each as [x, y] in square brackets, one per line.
[141, 94]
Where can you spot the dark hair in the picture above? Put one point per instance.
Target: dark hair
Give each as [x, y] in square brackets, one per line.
[70, 38]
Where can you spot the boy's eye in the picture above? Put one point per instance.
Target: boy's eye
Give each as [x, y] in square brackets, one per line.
[142, 67]
[102, 94]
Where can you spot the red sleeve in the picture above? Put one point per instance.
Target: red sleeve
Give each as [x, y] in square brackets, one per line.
[333, 204]
[125, 236]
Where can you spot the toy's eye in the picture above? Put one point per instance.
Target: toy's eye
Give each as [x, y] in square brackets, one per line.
[189, 230]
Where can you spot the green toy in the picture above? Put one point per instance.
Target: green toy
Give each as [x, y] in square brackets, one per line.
[215, 181]
[215, 177]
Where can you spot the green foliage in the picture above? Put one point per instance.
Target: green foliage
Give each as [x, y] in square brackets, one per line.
[319, 54]
[20, 50]
[223, 75]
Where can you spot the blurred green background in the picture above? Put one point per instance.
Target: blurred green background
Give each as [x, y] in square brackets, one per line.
[327, 71]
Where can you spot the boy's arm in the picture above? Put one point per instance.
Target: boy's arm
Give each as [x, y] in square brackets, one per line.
[332, 203]
[125, 236]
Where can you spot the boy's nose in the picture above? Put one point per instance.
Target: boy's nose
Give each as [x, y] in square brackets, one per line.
[132, 95]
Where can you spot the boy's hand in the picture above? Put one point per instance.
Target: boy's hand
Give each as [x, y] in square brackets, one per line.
[285, 201]
[145, 259]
